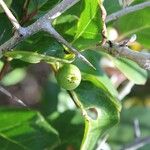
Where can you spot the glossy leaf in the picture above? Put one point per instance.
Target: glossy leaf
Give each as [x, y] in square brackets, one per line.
[24, 129]
[89, 24]
[131, 70]
[33, 57]
[100, 110]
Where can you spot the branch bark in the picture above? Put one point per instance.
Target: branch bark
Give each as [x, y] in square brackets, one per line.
[44, 23]
[138, 143]
[126, 11]
[26, 32]
[114, 49]
[141, 58]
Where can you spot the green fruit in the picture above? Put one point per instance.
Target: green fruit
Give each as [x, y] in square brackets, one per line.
[68, 76]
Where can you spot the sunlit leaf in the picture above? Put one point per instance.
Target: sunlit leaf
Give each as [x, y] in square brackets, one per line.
[33, 57]
[131, 70]
[89, 24]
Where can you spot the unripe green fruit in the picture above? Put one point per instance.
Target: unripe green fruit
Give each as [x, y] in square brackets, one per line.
[68, 77]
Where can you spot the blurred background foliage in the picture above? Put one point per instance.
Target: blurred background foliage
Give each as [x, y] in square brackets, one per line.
[52, 120]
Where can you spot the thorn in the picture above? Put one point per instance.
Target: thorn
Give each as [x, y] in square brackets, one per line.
[80, 56]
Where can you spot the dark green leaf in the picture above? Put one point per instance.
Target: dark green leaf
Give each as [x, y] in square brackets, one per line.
[24, 129]
[111, 6]
[100, 110]
[70, 126]
[5, 28]
[8, 3]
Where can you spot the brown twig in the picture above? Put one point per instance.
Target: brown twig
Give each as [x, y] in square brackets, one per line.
[28, 16]
[4, 69]
[103, 18]
[25, 7]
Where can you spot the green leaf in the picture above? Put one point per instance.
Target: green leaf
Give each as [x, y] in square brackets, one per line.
[89, 24]
[100, 111]
[47, 5]
[86, 20]
[17, 7]
[14, 77]
[5, 28]
[24, 129]
[70, 125]
[111, 6]
[131, 70]
[35, 43]
[33, 57]
[36, 5]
